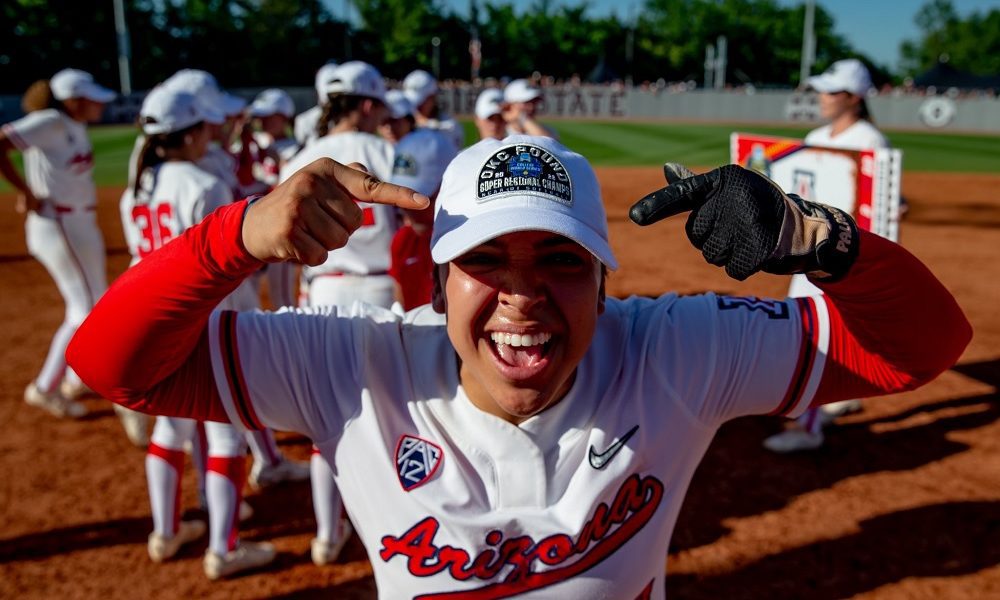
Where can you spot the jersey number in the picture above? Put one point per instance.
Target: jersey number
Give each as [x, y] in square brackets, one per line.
[153, 224]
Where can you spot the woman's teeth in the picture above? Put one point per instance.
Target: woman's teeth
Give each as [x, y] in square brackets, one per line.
[522, 340]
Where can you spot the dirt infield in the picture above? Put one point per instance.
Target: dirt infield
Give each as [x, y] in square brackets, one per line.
[904, 502]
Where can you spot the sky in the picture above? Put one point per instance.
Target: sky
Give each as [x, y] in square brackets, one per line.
[875, 27]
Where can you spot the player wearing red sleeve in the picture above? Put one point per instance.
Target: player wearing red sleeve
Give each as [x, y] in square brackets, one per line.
[540, 442]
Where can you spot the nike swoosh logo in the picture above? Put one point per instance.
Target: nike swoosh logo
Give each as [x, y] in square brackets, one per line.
[599, 459]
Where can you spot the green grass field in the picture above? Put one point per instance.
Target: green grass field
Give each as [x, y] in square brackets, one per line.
[620, 143]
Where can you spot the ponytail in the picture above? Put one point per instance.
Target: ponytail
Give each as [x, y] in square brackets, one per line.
[336, 107]
[39, 96]
[154, 149]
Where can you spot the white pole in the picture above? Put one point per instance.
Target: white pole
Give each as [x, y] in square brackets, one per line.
[722, 53]
[121, 32]
[808, 43]
[709, 65]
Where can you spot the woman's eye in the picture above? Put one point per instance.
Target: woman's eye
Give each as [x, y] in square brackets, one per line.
[564, 259]
[477, 259]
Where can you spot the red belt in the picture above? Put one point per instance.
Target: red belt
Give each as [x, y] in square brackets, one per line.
[63, 209]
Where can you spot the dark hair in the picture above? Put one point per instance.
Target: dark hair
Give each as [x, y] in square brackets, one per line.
[149, 156]
[39, 96]
[863, 112]
[336, 107]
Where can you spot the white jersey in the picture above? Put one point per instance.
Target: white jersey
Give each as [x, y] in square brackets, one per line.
[368, 250]
[222, 164]
[448, 126]
[305, 125]
[269, 155]
[578, 501]
[862, 135]
[58, 158]
[174, 196]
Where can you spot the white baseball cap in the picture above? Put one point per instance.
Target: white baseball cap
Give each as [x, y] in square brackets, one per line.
[521, 90]
[272, 101]
[166, 109]
[323, 76]
[357, 79]
[399, 106]
[521, 183]
[489, 103]
[74, 83]
[419, 86]
[421, 159]
[204, 87]
[843, 76]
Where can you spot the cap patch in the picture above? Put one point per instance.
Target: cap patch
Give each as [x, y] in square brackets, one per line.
[524, 169]
[404, 164]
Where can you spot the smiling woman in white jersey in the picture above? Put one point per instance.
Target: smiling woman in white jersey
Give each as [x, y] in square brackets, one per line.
[59, 197]
[172, 194]
[842, 90]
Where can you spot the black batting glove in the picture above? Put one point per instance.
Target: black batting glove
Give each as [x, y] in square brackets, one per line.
[742, 221]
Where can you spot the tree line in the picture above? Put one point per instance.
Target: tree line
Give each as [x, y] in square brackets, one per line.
[282, 42]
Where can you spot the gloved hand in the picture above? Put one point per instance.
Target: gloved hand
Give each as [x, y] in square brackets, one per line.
[742, 221]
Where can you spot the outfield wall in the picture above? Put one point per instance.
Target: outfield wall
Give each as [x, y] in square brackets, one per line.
[932, 113]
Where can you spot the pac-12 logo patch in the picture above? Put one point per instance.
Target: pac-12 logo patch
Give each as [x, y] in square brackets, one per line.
[416, 461]
[524, 169]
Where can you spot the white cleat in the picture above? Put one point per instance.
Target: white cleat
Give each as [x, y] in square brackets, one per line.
[286, 470]
[325, 552]
[75, 391]
[246, 556]
[53, 402]
[161, 548]
[794, 440]
[136, 425]
[839, 409]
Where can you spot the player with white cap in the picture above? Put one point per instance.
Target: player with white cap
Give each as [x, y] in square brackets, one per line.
[421, 89]
[421, 160]
[305, 123]
[170, 195]
[358, 272]
[401, 121]
[59, 199]
[521, 101]
[842, 89]
[489, 115]
[540, 442]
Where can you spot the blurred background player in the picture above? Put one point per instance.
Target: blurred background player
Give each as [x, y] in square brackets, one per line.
[400, 121]
[58, 197]
[170, 195]
[842, 90]
[421, 90]
[355, 107]
[270, 147]
[489, 115]
[305, 123]
[421, 159]
[521, 101]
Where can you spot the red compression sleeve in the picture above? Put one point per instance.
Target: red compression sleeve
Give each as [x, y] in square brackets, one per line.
[145, 343]
[893, 325]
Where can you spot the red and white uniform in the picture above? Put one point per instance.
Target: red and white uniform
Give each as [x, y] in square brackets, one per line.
[63, 234]
[578, 501]
[359, 270]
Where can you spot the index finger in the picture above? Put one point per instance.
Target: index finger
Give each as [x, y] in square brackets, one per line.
[683, 196]
[368, 188]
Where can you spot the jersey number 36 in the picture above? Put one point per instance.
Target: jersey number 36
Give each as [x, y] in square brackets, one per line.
[153, 223]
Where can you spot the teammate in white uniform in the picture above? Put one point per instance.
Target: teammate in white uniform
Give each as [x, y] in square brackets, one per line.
[421, 90]
[173, 194]
[489, 115]
[521, 100]
[842, 89]
[359, 271]
[354, 110]
[305, 123]
[400, 122]
[541, 442]
[58, 195]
